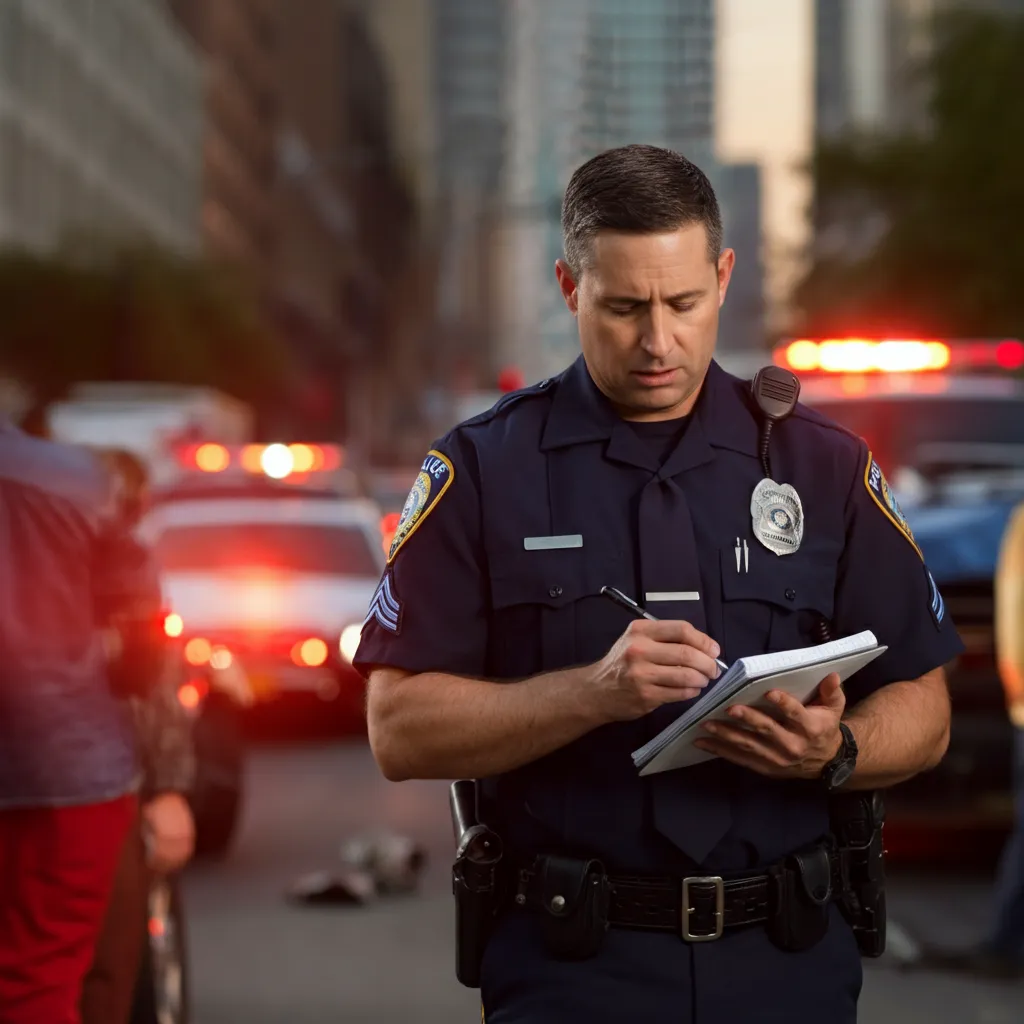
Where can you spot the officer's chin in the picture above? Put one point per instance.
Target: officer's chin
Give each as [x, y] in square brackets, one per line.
[646, 399]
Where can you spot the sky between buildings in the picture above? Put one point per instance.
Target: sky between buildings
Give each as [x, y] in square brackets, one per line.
[765, 114]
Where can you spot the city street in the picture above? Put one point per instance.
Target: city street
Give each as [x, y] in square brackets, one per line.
[257, 959]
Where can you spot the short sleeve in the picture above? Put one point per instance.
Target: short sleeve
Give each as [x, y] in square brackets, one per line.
[884, 585]
[429, 612]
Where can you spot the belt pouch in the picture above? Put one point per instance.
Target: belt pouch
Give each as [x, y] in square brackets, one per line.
[575, 896]
[801, 889]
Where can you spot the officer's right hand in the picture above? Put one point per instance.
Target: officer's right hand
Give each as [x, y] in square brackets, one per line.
[651, 664]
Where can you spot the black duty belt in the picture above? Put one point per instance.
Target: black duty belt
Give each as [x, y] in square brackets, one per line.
[698, 907]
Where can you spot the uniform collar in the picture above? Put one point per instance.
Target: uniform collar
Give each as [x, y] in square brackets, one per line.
[723, 418]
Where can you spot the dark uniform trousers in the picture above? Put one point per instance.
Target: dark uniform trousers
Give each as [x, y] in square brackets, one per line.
[560, 463]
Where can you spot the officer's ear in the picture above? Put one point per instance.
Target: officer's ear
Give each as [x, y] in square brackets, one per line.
[726, 263]
[567, 285]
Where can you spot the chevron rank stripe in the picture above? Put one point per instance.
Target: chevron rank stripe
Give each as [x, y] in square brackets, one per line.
[938, 605]
[385, 606]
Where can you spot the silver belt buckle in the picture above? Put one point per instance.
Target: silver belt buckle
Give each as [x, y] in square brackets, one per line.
[716, 881]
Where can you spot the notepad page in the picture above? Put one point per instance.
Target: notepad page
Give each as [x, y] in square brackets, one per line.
[780, 661]
[745, 670]
[800, 683]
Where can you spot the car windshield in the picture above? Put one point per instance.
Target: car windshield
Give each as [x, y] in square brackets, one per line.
[936, 435]
[331, 550]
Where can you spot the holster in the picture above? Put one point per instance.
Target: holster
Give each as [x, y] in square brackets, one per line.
[801, 892]
[574, 896]
[476, 883]
[856, 821]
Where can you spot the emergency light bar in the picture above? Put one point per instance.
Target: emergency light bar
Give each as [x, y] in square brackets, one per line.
[276, 461]
[904, 355]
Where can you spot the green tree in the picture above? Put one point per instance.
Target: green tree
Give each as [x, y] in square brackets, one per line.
[940, 215]
[98, 314]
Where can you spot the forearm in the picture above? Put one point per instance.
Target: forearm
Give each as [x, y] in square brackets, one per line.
[901, 730]
[164, 733]
[439, 726]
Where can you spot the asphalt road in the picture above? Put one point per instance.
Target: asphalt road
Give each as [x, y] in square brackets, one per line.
[257, 959]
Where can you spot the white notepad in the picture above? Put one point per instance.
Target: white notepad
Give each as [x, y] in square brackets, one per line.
[797, 672]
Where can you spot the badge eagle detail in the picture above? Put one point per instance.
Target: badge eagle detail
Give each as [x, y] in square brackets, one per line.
[777, 516]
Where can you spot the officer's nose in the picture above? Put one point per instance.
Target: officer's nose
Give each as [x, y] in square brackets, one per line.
[657, 337]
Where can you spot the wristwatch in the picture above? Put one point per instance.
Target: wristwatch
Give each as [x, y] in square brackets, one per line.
[840, 768]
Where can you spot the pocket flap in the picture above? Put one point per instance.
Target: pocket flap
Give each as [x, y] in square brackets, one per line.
[554, 578]
[804, 579]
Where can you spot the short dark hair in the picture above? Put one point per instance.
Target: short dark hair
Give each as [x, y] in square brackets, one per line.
[640, 190]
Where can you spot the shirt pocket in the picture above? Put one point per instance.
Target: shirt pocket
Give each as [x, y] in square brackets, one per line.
[775, 603]
[548, 613]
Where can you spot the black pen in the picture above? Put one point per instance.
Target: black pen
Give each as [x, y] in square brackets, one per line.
[627, 602]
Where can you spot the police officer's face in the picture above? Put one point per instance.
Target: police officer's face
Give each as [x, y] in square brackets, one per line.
[647, 308]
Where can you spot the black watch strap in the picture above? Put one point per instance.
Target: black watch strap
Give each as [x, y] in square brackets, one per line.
[841, 767]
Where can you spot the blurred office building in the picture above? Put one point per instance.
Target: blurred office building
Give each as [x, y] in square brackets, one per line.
[100, 122]
[604, 73]
[300, 185]
[237, 40]
[868, 58]
[741, 326]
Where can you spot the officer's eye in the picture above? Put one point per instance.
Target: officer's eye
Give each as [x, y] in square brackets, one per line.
[622, 310]
[683, 307]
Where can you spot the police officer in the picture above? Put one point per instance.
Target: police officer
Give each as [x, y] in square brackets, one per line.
[491, 653]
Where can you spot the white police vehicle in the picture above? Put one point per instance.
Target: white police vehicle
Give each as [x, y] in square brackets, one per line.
[269, 556]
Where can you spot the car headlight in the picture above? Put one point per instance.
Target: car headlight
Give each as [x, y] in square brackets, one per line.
[349, 642]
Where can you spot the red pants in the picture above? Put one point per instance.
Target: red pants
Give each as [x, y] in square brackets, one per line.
[109, 986]
[56, 874]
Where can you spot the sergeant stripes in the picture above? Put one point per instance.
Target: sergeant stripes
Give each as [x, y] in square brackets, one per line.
[385, 607]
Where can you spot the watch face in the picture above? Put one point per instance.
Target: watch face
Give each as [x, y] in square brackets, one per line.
[840, 774]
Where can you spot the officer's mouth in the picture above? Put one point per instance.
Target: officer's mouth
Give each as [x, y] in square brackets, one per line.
[654, 379]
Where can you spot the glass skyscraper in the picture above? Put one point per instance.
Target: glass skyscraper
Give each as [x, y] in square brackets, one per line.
[540, 87]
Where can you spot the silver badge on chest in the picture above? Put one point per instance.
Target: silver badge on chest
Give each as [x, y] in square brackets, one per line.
[778, 516]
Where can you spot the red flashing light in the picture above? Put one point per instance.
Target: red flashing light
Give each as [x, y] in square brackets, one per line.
[510, 379]
[293, 463]
[212, 458]
[192, 693]
[174, 625]
[198, 651]
[905, 355]
[863, 355]
[1010, 355]
[311, 653]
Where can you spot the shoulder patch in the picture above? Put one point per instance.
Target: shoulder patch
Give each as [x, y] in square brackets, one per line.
[435, 477]
[882, 495]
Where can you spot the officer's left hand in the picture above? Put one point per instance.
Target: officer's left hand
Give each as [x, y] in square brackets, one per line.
[796, 745]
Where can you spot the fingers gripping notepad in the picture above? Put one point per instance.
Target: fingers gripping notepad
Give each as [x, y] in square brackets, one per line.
[747, 681]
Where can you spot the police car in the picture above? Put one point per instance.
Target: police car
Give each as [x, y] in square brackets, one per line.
[945, 420]
[270, 564]
[270, 557]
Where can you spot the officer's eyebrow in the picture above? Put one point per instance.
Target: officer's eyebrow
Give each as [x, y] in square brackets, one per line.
[680, 297]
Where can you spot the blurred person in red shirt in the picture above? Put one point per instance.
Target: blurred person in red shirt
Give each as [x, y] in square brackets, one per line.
[73, 577]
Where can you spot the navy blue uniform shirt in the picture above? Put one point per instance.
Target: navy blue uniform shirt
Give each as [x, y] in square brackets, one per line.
[519, 518]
